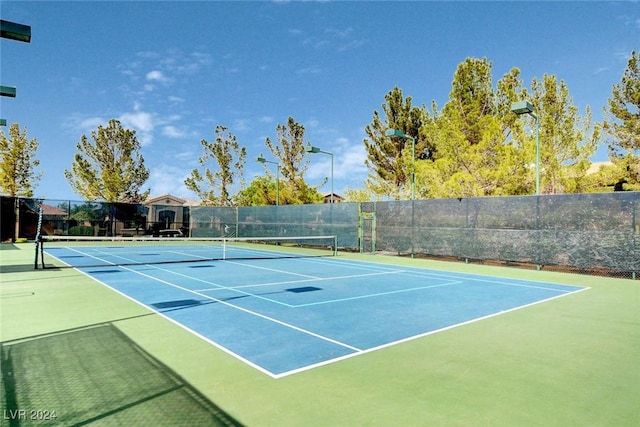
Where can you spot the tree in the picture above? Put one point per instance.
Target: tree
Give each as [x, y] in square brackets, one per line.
[567, 141]
[473, 151]
[18, 162]
[389, 171]
[290, 151]
[472, 97]
[358, 195]
[17, 167]
[622, 123]
[111, 167]
[214, 188]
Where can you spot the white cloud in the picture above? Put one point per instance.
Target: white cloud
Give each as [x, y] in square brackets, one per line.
[186, 156]
[139, 120]
[92, 123]
[353, 44]
[241, 125]
[173, 132]
[157, 76]
[312, 69]
[348, 161]
[142, 122]
[80, 124]
[169, 179]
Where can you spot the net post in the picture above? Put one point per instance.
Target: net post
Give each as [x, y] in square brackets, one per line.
[38, 238]
[35, 261]
[335, 245]
[224, 248]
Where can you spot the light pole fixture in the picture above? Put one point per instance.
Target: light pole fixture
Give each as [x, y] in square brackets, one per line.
[525, 107]
[399, 134]
[262, 160]
[14, 31]
[8, 91]
[311, 149]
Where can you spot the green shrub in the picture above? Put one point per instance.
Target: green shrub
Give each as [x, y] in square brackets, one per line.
[81, 230]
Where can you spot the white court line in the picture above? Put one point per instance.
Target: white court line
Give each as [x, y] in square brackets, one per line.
[450, 275]
[254, 313]
[414, 337]
[358, 265]
[377, 294]
[318, 279]
[159, 313]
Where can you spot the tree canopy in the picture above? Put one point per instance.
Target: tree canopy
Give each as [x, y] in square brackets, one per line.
[475, 146]
[110, 167]
[389, 173]
[288, 151]
[18, 162]
[622, 124]
[214, 186]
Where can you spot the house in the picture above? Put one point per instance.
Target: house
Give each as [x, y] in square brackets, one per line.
[336, 198]
[168, 214]
[53, 219]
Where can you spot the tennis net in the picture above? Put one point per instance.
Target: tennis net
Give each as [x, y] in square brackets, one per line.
[89, 251]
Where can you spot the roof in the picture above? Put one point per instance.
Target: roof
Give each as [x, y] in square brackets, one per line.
[165, 199]
[53, 210]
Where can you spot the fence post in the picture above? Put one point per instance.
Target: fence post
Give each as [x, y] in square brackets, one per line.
[539, 233]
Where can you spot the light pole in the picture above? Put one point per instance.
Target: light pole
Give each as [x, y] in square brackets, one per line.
[9, 91]
[22, 33]
[262, 160]
[311, 149]
[525, 107]
[398, 133]
[14, 31]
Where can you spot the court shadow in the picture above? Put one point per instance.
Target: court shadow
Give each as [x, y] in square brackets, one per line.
[98, 375]
[17, 268]
[8, 247]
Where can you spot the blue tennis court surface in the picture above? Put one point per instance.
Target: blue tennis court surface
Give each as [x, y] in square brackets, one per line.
[282, 316]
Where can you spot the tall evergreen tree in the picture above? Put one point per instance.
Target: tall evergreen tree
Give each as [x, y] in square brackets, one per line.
[111, 167]
[474, 153]
[214, 187]
[622, 123]
[567, 141]
[388, 158]
[471, 97]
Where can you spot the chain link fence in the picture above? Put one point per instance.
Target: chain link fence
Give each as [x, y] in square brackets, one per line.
[590, 233]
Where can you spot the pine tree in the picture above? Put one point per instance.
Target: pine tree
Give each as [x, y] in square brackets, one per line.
[622, 123]
[567, 141]
[474, 153]
[388, 158]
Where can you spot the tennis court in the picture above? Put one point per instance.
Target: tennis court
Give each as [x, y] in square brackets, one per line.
[283, 310]
[72, 345]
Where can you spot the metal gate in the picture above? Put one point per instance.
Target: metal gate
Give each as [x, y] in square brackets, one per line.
[367, 232]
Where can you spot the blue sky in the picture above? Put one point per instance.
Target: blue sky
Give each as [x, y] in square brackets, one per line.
[174, 70]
